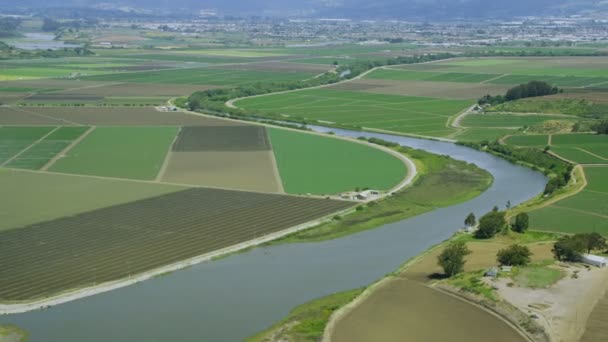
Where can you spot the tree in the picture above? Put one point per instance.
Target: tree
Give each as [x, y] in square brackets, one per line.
[601, 127]
[490, 224]
[452, 258]
[569, 248]
[521, 223]
[514, 255]
[470, 220]
[594, 241]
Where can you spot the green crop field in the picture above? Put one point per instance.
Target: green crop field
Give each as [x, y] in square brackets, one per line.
[40, 153]
[321, 165]
[582, 148]
[202, 76]
[481, 134]
[408, 75]
[508, 120]
[37, 197]
[406, 114]
[13, 140]
[124, 152]
[528, 140]
[587, 211]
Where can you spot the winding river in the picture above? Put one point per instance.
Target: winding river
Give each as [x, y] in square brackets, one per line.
[235, 297]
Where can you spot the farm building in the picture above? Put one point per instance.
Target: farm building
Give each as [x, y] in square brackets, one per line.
[595, 260]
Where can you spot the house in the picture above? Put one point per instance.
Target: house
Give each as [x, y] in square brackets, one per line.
[492, 272]
[594, 260]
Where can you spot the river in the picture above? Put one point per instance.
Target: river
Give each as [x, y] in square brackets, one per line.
[232, 298]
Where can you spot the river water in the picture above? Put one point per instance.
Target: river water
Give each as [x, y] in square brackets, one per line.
[235, 297]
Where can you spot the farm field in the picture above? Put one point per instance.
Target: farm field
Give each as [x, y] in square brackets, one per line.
[122, 152]
[204, 76]
[135, 237]
[539, 141]
[508, 120]
[231, 157]
[39, 196]
[40, 153]
[446, 90]
[405, 114]
[320, 165]
[584, 212]
[14, 140]
[102, 116]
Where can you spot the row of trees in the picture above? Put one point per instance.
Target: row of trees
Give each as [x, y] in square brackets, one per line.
[522, 91]
[572, 247]
[494, 222]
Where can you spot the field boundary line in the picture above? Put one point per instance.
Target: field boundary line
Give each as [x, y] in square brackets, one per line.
[34, 143]
[167, 160]
[63, 152]
[591, 153]
[130, 280]
[275, 165]
[550, 140]
[495, 78]
[46, 116]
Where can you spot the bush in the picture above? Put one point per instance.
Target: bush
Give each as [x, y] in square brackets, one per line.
[514, 255]
[569, 248]
[452, 258]
[490, 224]
[521, 223]
[601, 127]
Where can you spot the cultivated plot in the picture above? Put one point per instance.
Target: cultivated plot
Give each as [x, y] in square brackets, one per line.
[419, 115]
[322, 165]
[16, 140]
[581, 148]
[123, 152]
[232, 157]
[586, 211]
[125, 240]
[102, 116]
[509, 120]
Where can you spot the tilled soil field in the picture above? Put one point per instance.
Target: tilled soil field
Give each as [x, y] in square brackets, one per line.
[123, 240]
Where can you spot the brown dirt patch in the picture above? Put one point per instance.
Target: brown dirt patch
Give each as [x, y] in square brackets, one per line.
[250, 170]
[12, 116]
[277, 67]
[449, 90]
[597, 326]
[404, 310]
[121, 116]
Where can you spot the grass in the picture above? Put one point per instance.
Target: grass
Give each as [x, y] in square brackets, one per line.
[11, 333]
[124, 152]
[537, 276]
[408, 75]
[471, 282]
[307, 322]
[406, 114]
[551, 105]
[441, 182]
[480, 134]
[321, 165]
[37, 197]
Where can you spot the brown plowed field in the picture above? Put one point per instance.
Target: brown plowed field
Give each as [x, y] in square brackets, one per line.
[447, 90]
[139, 89]
[229, 138]
[112, 116]
[251, 170]
[277, 66]
[11, 116]
[116, 242]
[405, 310]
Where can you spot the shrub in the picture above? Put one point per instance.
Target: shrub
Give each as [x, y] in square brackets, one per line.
[521, 223]
[514, 255]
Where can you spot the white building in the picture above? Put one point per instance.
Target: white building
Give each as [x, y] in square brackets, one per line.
[595, 260]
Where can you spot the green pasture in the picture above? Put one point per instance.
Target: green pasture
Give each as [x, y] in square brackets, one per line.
[123, 152]
[406, 114]
[37, 197]
[321, 165]
[476, 134]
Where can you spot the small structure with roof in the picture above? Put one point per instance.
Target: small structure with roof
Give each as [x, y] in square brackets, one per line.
[594, 260]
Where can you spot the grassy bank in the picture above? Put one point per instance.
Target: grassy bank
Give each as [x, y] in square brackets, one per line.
[11, 333]
[441, 182]
[307, 321]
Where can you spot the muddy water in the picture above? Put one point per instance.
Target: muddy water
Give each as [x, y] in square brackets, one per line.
[235, 297]
[405, 310]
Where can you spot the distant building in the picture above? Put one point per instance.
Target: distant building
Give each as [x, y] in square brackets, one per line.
[595, 260]
[492, 272]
